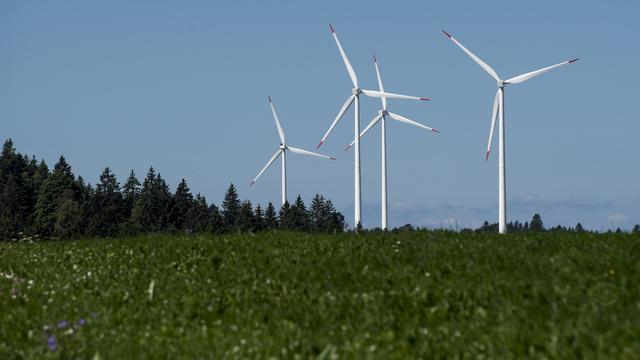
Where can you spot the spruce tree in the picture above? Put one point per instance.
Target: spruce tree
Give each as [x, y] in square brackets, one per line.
[246, 221]
[181, 207]
[636, 229]
[270, 217]
[536, 223]
[59, 186]
[300, 215]
[216, 221]
[336, 219]
[231, 208]
[130, 193]
[107, 206]
[151, 210]
[258, 218]
[199, 215]
[286, 217]
[579, 228]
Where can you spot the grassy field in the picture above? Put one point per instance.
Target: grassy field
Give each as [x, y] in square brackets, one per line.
[288, 295]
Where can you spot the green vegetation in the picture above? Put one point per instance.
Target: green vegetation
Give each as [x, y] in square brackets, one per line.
[287, 295]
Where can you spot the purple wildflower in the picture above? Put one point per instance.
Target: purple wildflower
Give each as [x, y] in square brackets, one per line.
[52, 343]
[62, 324]
[82, 322]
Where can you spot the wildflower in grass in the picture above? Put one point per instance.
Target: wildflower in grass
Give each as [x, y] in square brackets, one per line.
[52, 343]
[63, 324]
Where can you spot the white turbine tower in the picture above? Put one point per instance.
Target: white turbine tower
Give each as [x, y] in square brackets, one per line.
[283, 151]
[498, 109]
[381, 117]
[355, 99]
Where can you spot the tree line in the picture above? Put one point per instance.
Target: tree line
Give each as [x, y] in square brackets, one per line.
[38, 202]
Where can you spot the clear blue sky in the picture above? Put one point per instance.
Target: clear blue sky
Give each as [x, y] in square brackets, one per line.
[183, 86]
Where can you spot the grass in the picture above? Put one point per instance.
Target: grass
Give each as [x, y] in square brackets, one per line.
[289, 295]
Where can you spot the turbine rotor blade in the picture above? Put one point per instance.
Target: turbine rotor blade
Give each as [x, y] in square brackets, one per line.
[273, 158]
[308, 153]
[494, 115]
[411, 122]
[524, 77]
[382, 94]
[275, 116]
[478, 61]
[371, 124]
[343, 110]
[352, 73]
[383, 99]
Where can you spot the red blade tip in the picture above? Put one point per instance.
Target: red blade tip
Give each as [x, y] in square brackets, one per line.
[320, 144]
[574, 60]
[347, 148]
[251, 183]
[446, 33]
[374, 58]
[486, 157]
[425, 99]
[269, 98]
[332, 158]
[331, 27]
[435, 131]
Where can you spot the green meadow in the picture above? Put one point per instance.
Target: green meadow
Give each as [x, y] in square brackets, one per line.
[421, 294]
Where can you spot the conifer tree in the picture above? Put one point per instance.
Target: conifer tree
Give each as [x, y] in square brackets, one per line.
[199, 215]
[258, 218]
[536, 223]
[286, 217]
[579, 228]
[130, 193]
[636, 229]
[246, 221]
[231, 208]
[216, 221]
[270, 217]
[16, 191]
[181, 207]
[59, 186]
[151, 210]
[336, 219]
[299, 215]
[107, 206]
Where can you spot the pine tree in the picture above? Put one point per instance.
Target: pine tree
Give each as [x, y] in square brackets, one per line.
[199, 215]
[286, 218]
[270, 217]
[107, 206]
[319, 218]
[130, 193]
[181, 207]
[636, 229]
[216, 221]
[579, 228]
[336, 222]
[536, 223]
[258, 218]
[246, 221]
[300, 215]
[150, 212]
[231, 208]
[59, 186]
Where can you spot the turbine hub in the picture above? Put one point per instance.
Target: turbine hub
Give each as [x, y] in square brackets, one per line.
[356, 91]
[283, 146]
[501, 83]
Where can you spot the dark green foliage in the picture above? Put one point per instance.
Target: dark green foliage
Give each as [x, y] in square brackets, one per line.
[299, 216]
[216, 221]
[199, 215]
[151, 211]
[411, 295]
[246, 220]
[181, 208]
[59, 187]
[270, 217]
[107, 206]
[231, 208]
[69, 219]
[579, 228]
[536, 223]
[130, 193]
[258, 218]
[636, 229]
[323, 216]
[285, 216]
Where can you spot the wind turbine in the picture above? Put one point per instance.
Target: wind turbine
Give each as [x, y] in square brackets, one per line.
[381, 117]
[282, 150]
[356, 91]
[498, 109]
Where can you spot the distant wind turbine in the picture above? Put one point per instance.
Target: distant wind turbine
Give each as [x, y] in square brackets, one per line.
[498, 109]
[355, 99]
[282, 150]
[381, 117]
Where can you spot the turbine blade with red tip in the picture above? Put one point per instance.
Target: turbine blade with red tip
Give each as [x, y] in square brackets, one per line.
[308, 153]
[275, 116]
[338, 117]
[473, 57]
[382, 94]
[273, 158]
[352, 73]
[371, 125]
[494, 115]
[410, 122]
[524, 77]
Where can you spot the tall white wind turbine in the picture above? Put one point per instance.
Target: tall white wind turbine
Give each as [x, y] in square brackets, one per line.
[282, 150]
[498, 110]
[356, 91]
[381, 118]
